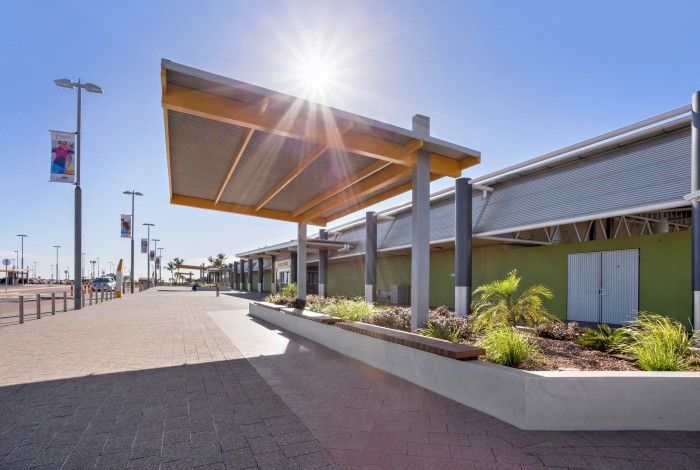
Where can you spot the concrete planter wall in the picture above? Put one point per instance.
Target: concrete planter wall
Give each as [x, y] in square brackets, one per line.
[528, 400]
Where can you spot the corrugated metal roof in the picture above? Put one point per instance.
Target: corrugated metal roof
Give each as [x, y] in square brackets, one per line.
[298, 151]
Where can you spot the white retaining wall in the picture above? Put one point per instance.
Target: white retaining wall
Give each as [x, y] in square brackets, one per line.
[529, 400]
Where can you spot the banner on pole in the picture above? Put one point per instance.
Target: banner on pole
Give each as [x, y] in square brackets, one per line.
[126, 226]
[62, 157]
[157, 262]
[152, 255]
[144, 245]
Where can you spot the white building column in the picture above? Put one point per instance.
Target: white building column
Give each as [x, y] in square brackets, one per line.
[695, 207]
[261, 273]
[420, 230]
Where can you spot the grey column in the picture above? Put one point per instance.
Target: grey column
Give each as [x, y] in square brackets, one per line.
[235, 275]
[231, 279]
[261, 271]
[695, 208]
[420, 229]
[370, 256]
[463, 246]
[301, 263]
[273, 279]
[322, 265]
[250, 275]
[293, 268]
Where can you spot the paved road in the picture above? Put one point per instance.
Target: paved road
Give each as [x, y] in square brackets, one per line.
[171, 378]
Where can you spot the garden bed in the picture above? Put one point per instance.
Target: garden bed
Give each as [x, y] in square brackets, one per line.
[536, 400]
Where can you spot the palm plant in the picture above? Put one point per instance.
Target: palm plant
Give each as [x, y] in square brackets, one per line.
[177, 262]
[500, 303]
[217, 261]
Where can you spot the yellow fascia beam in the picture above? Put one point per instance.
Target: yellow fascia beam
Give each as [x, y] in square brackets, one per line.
[202, 203]
[234, 163]
[369, 185]
[369, 170]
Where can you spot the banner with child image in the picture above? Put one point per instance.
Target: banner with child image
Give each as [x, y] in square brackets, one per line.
[62, 157]
[126, 226]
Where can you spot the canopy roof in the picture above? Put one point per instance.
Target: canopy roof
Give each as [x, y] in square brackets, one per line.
[312, 245]
[236, 147]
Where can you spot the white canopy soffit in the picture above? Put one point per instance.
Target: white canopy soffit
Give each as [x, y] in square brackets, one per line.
[239, 148]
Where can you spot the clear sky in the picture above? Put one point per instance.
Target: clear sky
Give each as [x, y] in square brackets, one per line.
[512, 79]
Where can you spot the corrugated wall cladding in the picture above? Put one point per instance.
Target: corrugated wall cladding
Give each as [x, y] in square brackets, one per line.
[652, 172]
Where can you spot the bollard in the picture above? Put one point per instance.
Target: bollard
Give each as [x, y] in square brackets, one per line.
[90, 297]
[53, 303]
[65, 302]
[38, 306]
[102, 295]
[83, 297]
[217, 290]
[21, 309]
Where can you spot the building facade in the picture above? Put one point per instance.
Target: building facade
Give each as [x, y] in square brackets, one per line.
[605, 226]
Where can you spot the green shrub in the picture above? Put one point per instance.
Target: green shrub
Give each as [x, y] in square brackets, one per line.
[440, 331]
[507, 346]
[350, 309]
[603, 339]
[500, 303]
[290, 290]
[447, 319]
[659, 343]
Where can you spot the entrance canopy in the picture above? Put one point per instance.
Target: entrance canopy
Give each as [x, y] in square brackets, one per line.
[312, 245]
[239, 148]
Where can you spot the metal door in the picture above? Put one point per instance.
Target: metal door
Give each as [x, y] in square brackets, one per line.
[619, 286]
[584, 287]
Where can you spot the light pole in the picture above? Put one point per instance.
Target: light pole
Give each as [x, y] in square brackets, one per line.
[132, 193]
[160, 264]
[92, 261]
[23, 236]
[57, 247]
[78, 235]
[155, 250]
[16, 265]
[148, 251]
[34, 270]
[52, 273]
[82, 270]
[98, 267]
[111, 268]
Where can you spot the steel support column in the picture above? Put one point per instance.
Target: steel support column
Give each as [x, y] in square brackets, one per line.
[420, 229]
[293, 267]
[695, 205]
[370, 257]
[261, 271]
[250, 275]
[273, 279]
[322, 265]
[463, 246]
[301, 263]
[234, 285]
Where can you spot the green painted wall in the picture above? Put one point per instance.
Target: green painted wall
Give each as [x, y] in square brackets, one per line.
[664, 271]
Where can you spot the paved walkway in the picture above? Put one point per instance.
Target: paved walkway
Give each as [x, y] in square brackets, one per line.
[177, 379]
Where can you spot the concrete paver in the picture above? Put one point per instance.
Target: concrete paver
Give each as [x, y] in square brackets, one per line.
[176, 379]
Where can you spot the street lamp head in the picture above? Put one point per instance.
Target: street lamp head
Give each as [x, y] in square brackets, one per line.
[92, 88]
[149, 224]
[64, 82]
[132, 193]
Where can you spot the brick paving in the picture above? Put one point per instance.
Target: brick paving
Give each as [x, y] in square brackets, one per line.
[177, 379]
[144, 382]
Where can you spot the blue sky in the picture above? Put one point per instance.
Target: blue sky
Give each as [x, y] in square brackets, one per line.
[512, 79]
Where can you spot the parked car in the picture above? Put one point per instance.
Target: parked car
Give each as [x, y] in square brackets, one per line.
[103, 283]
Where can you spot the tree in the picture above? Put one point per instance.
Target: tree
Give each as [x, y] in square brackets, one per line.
[177, 262]
[500, 303]
[217, 261]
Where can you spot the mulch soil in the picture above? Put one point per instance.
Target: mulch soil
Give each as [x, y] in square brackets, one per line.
[566, 355]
